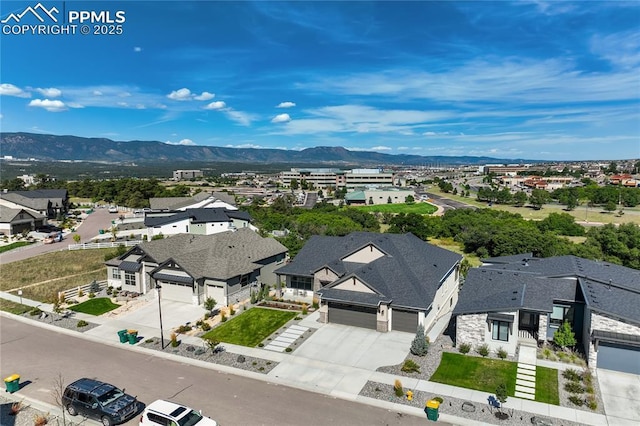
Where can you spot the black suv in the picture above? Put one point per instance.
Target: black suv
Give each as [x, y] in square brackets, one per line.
[100, 401]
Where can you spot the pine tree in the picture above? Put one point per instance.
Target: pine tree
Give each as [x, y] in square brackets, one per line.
[419, 346]
[564, 336]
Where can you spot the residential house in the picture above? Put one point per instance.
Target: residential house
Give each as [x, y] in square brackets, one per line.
[379, 281]
[520, 299]
[191, 268]
[203, 221]
[203, 199]
[47, 202]
[15, 221]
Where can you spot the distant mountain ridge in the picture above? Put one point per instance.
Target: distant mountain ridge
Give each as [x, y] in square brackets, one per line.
[53, 147]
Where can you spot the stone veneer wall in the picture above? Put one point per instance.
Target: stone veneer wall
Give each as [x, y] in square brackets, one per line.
[239, 296]
[542, 327]
[471, 329]
[605, 323]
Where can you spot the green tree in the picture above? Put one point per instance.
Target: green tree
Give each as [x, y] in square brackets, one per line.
[538, 198]
[409, 199]
[501, 396]
[419, 345]
[294, 184]
[564, 336]
[562, 223]
[520, 198]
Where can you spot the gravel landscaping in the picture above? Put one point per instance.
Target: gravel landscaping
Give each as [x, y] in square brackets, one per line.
[26, 416]
[203, 353]
[58, 320]
[453, 406]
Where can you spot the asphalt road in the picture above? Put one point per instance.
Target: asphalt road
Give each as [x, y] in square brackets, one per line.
[446, 203]
[99, 219]
[39, 355]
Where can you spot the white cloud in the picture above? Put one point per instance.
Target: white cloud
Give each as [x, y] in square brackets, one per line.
[7, 89]
[281, 118]
[186, 142]
[239, 117]
[244, 145]
[74, 105]
[124, 95]
[216, 105]
[50, 92]
[137, 49]
[380, 148]
[49, 105]
[204, 96]
[183, 94]
[140, 106]
[97, 93]
[286, 105]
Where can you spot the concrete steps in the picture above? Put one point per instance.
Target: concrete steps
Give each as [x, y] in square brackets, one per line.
[526, 374]
[286, 338]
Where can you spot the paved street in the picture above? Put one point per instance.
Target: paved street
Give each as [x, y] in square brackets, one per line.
[38, 355]
[99, 219]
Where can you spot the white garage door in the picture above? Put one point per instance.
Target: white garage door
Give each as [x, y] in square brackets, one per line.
[177, 292]
[217, 292]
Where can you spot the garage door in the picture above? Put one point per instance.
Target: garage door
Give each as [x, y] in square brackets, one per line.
[217, 292]
[404, 321]
[612, 356]
[179, 293]
[358, 316]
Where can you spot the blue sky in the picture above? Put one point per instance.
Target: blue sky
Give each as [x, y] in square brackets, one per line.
[525, 79]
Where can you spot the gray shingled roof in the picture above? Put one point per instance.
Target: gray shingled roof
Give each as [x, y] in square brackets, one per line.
[175, 203]
[202, 215]
[37, 199]
[222, 256]
[607, 288]
[7, 215]
[409, 273]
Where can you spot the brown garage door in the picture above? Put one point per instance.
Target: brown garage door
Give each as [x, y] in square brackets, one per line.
[404, 321]
[357, 316]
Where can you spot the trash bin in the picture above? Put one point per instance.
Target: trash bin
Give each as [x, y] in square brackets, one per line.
[101, 231]
[432, 409]
[12, 383]
[133, 336]
[123, 336]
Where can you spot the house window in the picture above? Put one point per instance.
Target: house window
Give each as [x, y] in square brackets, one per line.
[500, 330]
[129, 278]
[115, 274]
[302, 283]
[244, 280]
[560, 314]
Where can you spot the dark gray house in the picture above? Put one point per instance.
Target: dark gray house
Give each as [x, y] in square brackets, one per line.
[379, 281]
[48, 202]
[520, 299]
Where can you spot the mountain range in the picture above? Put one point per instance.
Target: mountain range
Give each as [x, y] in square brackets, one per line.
[22, 145]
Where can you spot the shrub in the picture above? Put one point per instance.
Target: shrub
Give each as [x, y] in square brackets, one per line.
[231, 310]
[546, 352]
[92, 295]
[590, 390]
[261, 345]
[183, 329]
[150, 340]
[315, 304]
[174, 340]
[592, 403]
[210, 303]
[82, 323]
[576, 400]
[564, 336]
[288, 350]
[502, 354]
[572, 375]
[419, 345]
[207, 315]
[40, 420]
[483, 350]
[439, 399]
[35, 311]
[397, 388]
[223, 317]
[80, 293]
[205, 326]
[464, 348]
[305, 310]
[573, 387]
[587, 377]
[410, 366]
[212, 344]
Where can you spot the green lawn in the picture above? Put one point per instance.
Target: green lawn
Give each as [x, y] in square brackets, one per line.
[13, 307]
[97, 306]
[471, 372]
[547, 385]
[419, 208]
[14, 245]
[250, 327]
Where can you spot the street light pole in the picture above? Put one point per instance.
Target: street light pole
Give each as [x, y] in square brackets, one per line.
[160, 312]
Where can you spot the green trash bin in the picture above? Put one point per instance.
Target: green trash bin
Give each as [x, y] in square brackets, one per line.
[133, 336]
[432, 409]
[12, 383]
[123, 336]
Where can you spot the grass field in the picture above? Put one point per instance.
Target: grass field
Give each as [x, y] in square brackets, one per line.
[472, 372]
[593, 215]
[42, 277]
[97, 306]
[13, 307]
[547, 385]
[418, 208]
[449, 244]
[250, 327]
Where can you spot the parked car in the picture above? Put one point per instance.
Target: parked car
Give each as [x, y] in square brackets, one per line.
[167, 413]
[113, 209]
[100, 401]
[48, 228]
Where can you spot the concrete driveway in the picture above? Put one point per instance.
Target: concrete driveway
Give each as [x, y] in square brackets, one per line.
[146, 319]
[620, 392]
[339, 359]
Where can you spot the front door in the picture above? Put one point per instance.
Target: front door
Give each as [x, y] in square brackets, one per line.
[528, 321]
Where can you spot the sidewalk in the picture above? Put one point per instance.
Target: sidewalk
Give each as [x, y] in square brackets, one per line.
[339, 381]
